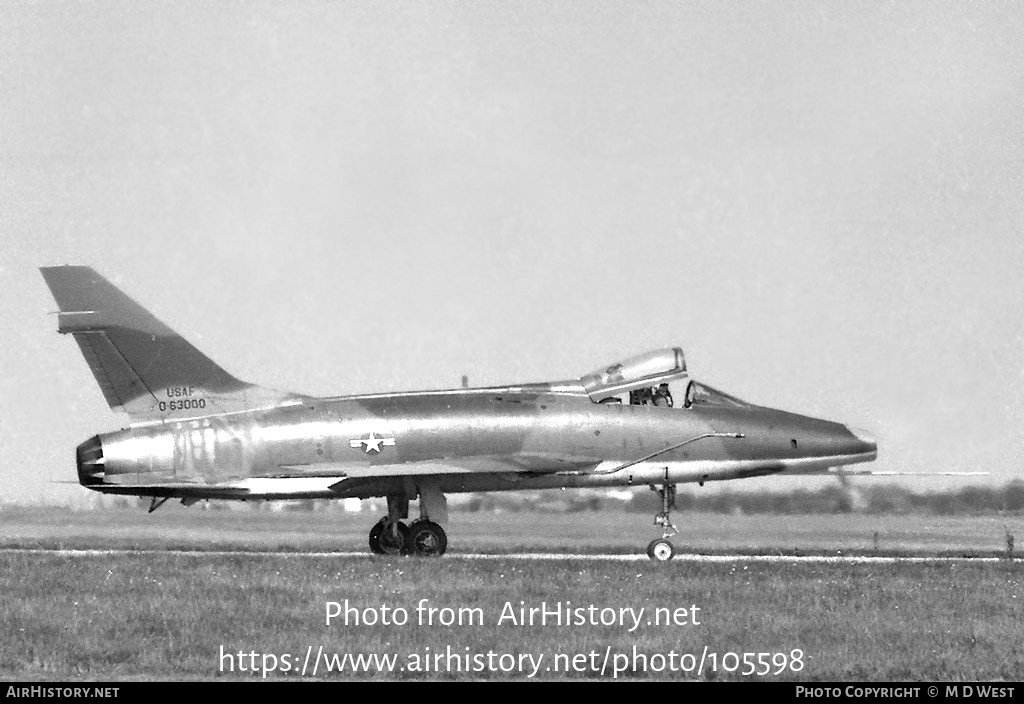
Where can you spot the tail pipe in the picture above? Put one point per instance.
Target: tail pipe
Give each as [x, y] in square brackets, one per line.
[90, 462]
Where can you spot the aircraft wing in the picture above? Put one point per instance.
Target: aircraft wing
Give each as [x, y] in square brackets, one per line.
[474, 465]
[319, 479]
[324, 480]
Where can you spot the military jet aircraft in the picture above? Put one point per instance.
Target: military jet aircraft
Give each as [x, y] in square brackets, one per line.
[197, 432]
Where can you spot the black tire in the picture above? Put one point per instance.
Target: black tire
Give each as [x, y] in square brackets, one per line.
[393, 543]
[661, 550]
[375, 532]
[428, 539]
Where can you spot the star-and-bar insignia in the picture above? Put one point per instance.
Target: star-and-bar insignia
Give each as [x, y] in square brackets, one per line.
[372, 443]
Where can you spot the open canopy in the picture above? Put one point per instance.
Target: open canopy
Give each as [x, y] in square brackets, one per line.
[642, 371]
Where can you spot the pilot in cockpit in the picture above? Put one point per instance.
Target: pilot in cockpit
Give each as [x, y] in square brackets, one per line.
[646, 379]
[662, 396]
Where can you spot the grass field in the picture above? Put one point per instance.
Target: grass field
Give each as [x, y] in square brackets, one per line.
[167, 616]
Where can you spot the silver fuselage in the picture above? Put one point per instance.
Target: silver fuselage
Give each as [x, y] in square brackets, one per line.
[469, 439]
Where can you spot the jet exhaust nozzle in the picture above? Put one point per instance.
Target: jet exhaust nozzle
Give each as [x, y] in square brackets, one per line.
[90, 462]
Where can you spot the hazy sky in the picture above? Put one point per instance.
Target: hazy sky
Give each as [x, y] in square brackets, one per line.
[821, 202]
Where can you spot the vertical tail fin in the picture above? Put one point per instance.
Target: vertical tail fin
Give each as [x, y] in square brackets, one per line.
[142, 366]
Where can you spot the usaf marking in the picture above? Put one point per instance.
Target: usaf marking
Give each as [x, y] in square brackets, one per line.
[372, 443]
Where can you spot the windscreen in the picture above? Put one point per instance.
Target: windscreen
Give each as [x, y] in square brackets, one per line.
[698, 394]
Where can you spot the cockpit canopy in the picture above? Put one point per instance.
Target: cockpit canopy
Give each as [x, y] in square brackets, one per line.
[642, 371]
[646, 377]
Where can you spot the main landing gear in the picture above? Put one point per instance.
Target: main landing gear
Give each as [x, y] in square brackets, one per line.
[661, 549]
[421, 537]
[390, 536]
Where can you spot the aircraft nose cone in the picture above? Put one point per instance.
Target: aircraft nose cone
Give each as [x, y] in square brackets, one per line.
[867, 441]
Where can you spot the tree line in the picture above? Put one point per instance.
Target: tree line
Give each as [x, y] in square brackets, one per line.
[836, 498]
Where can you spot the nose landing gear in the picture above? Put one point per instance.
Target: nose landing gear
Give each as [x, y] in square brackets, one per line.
[661, 549]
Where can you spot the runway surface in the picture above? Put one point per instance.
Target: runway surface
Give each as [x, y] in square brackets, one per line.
[682, 558]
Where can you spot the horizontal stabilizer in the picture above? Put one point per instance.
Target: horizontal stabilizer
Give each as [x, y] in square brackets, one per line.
[239, 489]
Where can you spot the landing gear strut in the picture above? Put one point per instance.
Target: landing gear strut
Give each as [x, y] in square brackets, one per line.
[390, 536]
[661, 549]
[424, 537]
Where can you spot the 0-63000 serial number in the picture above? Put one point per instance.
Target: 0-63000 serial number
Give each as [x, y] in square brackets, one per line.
[185, 404]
